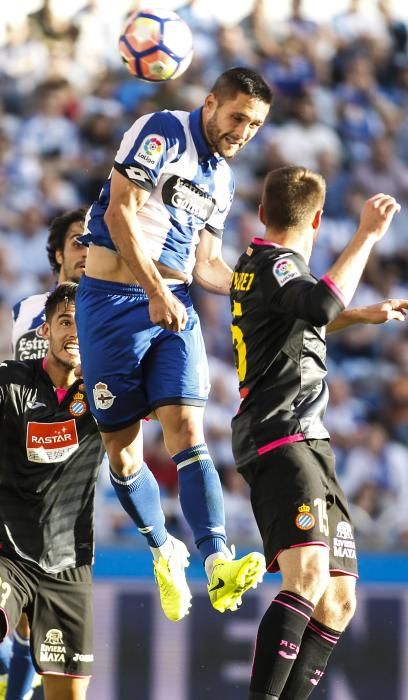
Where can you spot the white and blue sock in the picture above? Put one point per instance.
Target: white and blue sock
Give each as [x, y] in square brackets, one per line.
[21, 671]
[201, 499]
[139, 495]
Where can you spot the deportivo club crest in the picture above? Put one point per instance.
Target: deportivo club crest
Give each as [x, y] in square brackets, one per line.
[305, 520]
[103, 397]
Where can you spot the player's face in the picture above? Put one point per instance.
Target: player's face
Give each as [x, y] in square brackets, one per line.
[61, 333]
[73, 257]
[229, 125]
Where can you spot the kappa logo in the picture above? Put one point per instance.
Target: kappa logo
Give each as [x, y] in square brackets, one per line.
[285, 270]
[52, 650]
[103, 397]
[150, 150]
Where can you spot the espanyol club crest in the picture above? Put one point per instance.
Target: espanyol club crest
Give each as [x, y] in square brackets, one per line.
[305, 520]
[103, 397]
[77, 407]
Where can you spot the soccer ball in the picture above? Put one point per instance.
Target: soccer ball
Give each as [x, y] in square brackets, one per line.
[156, 45]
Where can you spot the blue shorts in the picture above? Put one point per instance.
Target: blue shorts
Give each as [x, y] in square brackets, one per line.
[130, 366]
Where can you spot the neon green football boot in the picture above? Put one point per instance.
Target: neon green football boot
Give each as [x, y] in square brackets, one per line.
[175, 595]
[231, 579]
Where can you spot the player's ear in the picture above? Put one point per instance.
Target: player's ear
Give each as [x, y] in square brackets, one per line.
[317, 219]
[261, 214]
[59, 257]
[210, 103]
[44, 330]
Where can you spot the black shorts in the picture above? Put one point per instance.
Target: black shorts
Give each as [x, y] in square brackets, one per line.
[297, 501]
[59, 610]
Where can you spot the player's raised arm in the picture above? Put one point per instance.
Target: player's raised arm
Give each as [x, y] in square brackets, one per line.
[375, 219]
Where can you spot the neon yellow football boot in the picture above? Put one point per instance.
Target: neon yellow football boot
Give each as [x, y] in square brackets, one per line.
[175, 595]
[231, 579]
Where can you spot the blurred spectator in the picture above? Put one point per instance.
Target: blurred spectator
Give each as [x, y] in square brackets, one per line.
[23, 64]
[304, 139]
[383, 171]
[363, 111]
[48, 133]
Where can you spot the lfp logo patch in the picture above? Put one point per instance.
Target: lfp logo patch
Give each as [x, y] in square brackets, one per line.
[305, 520]
[153, 146]
[285, 270]
[150, 150]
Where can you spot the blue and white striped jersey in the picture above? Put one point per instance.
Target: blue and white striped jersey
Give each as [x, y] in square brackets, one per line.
[28, 317]
[191, 188]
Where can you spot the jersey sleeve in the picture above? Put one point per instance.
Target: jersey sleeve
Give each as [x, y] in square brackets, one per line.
[6, 376]
[216, 222]
[147, 146]
[290, 288]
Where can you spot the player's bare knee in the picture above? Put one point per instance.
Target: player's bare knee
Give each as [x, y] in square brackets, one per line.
[186, 434]
[125, 450]
[314, 581]
[337, 607]
[123, 461]
[311, 581]
[343, 609]
[65, 688]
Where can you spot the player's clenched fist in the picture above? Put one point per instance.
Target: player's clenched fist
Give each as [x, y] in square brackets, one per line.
[377, 214]
[167, 311]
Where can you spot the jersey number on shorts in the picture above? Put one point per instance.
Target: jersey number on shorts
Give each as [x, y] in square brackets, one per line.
[239, 344]
[5, 590]
[321, 506]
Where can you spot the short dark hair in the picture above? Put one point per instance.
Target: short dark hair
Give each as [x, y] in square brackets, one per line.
[58, 232]
[291, 195]
[246, 80]
[63, 294]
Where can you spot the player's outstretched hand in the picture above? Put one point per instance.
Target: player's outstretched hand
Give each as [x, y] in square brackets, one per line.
[167, 311]
[377, 213]
[389, 310]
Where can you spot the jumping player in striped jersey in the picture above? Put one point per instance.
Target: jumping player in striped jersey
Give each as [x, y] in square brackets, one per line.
[158, 223]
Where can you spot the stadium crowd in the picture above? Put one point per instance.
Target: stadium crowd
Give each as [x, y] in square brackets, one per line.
[341, 93]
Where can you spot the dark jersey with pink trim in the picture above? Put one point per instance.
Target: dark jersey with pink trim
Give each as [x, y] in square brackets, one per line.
[279, 316]
[49, 461]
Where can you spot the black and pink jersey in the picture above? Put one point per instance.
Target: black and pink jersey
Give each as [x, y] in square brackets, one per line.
[279, 316]
[49, 460]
